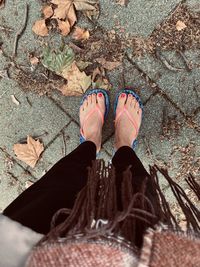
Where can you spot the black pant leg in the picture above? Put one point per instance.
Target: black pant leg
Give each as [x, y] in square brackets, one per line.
[57, 189]
[123, 158]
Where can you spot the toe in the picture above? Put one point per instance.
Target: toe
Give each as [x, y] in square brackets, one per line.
[139, 111]
[133, 102]
[129, 100]
[121, 100]
[101, 100]
[93, 99]
[85, 103]
[81, 108]
[137, 106]
[89, 98]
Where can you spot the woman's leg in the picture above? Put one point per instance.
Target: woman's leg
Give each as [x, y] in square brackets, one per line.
[57, 189]
[123, 158]
[127, 124]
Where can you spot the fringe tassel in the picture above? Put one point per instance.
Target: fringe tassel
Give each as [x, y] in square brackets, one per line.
[95, 213]
[191, 213]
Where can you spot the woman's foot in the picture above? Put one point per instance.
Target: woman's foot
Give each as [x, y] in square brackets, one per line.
[92, 117]
[128, 120]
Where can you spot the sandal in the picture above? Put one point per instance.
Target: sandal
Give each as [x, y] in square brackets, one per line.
[128, 91]
[96, 109]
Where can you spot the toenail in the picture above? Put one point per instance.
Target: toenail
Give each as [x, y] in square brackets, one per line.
[129, 95]
[100, 94]
[123, 95]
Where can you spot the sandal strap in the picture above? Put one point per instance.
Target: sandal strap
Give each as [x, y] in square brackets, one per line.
[89, 115]
[124, 110]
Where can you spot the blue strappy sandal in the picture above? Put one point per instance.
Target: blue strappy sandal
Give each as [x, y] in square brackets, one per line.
[103, 116]
[128, 91]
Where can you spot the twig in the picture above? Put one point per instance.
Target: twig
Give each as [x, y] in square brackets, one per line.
[43, 134]
[75, 47]
[28, 101]
[20, 32]
[165, 62]
[148, 149]
[4, 28]
[188, 65]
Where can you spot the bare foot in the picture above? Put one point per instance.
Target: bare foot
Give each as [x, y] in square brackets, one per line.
[126, 131]
[91, 123]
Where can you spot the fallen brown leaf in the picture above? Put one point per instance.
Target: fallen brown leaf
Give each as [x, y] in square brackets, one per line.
[85, 4]
[66, 8]
[77, 82]
[82, 64]
[80, 34]
[40, 28]
[92, 14]
[109, 65]
[30, 152]
[99, 80]
[95, 73]
[64, 27]
[47, 12]
[180, 25]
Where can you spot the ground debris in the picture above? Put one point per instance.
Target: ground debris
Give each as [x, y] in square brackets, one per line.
[167, 37]
[102, 44]
[38, 82]
[166, 62]
[21, 30]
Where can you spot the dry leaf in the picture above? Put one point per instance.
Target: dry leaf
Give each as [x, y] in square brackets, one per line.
[109, 65]
[47, 12]
[66, 8]
[85, 4]
[180, 25]
[83, 64]
[93, 14]
[64, 27]
[40, 28]
[99, 80]
[77, 81]
[30, 152]
[80, 34]
[14, 100]
[95, 73]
